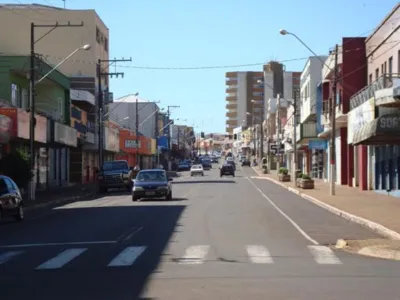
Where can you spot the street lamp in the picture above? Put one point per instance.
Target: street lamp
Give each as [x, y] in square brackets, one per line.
[85, 48]
[32, 121]
[333, 127]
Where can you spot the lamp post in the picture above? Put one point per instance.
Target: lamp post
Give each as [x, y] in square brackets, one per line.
[32, 122]
[333, 108]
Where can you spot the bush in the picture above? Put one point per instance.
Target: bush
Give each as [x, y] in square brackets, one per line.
[305, 177]
[299, 175]
[283, 171]
[264, 167]
[16, 166]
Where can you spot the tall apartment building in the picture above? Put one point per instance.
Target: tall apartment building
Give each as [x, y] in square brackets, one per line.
[80, 68]
[241, 89]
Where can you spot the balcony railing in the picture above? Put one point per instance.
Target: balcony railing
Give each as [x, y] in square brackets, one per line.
[383, 82]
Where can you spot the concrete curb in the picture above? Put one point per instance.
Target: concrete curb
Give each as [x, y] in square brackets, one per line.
[378, 228]
[380, 252]
[56, 202]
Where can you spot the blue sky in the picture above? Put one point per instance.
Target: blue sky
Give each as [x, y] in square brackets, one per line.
[188, 33]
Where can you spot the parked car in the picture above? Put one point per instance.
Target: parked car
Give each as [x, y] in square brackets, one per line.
[197, 170]
[183, 166]
[11, 202]
[227, 169]
[152, 183]
[115, 174]
[246, 162]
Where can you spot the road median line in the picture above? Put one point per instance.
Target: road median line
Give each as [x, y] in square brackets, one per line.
[375, 227]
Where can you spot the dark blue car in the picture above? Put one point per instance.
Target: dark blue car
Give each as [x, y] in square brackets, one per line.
[152, 183]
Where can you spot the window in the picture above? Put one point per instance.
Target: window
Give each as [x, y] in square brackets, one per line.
[385, 68]
[370, 78]
[376, 73]
[382, 70]
[98, 35]
[15, 95]
[106, 44]
[9, 185]
[3, 186]
[24, 98]
[398, 61]
[390, 71]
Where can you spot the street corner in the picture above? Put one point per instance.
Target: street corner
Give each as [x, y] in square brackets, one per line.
[378, 248]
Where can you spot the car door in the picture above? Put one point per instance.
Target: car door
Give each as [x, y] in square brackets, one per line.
[7, 202]
[14, 191]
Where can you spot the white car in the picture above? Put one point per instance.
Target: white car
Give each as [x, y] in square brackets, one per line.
[196, 170]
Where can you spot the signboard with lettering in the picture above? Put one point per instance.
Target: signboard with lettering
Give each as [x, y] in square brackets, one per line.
[358, 117]
[131, 144]
[389, 123]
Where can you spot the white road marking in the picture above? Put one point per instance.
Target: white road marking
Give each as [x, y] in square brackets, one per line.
[259, 254]
[61, 259]
[5, 257]
[127, 257]
[195, 254]
[324, 255]
[57, 244]
[295, 225]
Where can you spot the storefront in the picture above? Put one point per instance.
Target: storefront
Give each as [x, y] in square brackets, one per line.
[357, 118]
[60, 139]
[111, 142]
[382, 135]
[132, 148]
[15, 124]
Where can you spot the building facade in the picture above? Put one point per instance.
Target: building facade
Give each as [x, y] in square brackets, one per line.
[241, 89]
[373, 121]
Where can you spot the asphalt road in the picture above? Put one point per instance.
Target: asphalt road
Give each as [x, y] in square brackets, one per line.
[220, 238]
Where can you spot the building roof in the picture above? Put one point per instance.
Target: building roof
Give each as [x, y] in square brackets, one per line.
[131, 98]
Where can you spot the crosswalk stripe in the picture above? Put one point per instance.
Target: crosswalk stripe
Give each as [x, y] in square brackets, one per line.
[324, 255]
[127, 257]
[5, 257]
[61, 259]
[259, 254]
[195, 254]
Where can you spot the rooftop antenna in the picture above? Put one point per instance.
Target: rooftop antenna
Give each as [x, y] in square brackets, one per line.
[64, 3]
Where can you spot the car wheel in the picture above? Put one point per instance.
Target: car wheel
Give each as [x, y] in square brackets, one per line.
[169, 196]
[20, 214]
[134, 199]
[202, 174]
[233, 174]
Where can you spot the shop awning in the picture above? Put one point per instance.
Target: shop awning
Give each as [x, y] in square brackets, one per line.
[383, 130]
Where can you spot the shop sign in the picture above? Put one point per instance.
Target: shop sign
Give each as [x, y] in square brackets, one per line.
[65, 135]
[389, 123]
[8, 124]
[131, 144]
[23, 126]
[111, 141]
[358, 117]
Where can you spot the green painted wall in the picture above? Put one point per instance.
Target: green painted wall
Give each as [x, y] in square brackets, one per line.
[13, 70]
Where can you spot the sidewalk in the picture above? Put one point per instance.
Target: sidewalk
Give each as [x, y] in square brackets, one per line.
[60, 195]
[378, 212]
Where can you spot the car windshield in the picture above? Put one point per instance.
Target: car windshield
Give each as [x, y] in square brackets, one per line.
[196, 167]
[151, 176]
[115, 165]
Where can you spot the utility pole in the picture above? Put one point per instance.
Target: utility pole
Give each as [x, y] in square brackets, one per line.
[295, 97]
[137, 130]
[333, 126]
[278, 135]
[156, 137]
[32, 98]
[100, 100]
[169, 127]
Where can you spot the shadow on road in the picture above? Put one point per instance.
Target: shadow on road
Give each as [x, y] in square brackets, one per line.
[203, 181]
[88, 276]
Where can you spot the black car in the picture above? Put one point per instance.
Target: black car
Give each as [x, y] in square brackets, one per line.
[227, 169]
[152, 183]
[246, 162]
[115, 174]
[11, 202]
[231, 162]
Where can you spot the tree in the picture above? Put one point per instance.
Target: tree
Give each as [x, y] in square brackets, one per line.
[16, 166]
